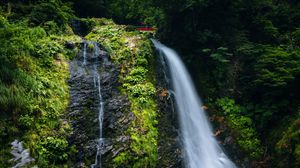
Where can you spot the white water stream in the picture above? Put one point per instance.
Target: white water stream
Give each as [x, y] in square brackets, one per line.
[200, 146]
[97, 86]
[84, 53]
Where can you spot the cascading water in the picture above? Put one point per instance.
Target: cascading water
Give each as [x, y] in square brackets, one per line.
[84, 53]
[200, 146]
[95, 106]
[97, 85]
[87, 69]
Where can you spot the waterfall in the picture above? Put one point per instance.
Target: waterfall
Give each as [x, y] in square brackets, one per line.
[94, 103]
[97, 85]
[91, 62]
[200, 147]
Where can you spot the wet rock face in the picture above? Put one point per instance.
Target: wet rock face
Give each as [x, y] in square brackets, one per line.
[170, 153]
[84, 107]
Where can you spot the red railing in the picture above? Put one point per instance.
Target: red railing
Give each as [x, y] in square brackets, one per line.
[145, 28]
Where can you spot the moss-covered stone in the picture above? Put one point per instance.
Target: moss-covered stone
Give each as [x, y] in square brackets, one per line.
[131, 51]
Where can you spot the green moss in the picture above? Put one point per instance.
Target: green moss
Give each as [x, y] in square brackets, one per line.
[90, 46]
[132, 52]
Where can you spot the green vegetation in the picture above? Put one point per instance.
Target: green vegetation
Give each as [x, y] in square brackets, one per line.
[33, 91]
[122, 11]
[288, 145]
[132, 52]
[243, 127]
[51, 11]
[244, 57]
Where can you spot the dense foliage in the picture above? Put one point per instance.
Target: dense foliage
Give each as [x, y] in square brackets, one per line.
[33, 91]
[242, 126]
[122, 11]
[244, 56]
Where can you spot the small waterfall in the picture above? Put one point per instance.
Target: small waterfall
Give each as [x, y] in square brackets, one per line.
[95, 106]
[84, 52]
[97, 85]
[200, 146]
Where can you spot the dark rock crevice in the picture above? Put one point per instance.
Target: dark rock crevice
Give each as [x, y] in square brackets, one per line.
[81, 27]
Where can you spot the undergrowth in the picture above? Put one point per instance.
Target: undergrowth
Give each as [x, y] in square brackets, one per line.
[34, 93]
[244, 131]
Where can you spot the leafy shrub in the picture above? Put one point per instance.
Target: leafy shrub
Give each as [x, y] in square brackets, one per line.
[145, 90]
[277, 67]
[246, 137]
[47, 48]
[54, 149]
[51, 27]
[136, 75]
[3, 22]
[288, 147]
